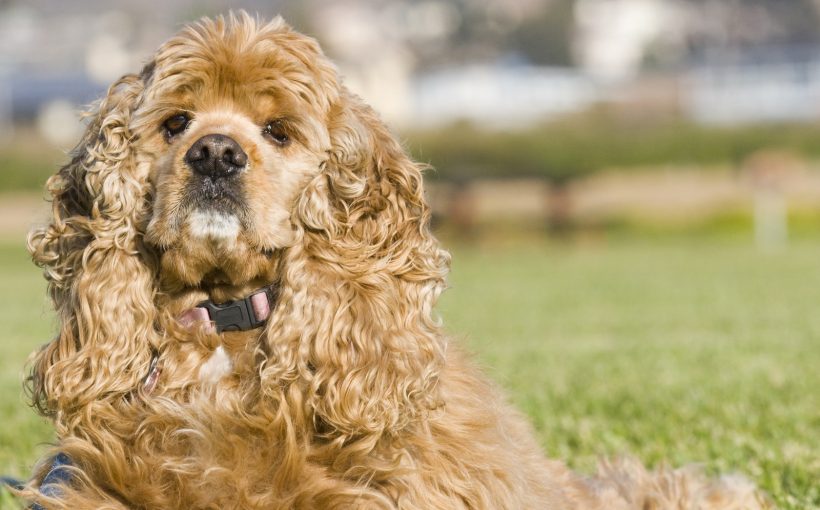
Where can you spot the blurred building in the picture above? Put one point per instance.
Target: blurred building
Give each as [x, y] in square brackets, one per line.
[500, 96]
[499, 63]
[774, 85]
[734, 62]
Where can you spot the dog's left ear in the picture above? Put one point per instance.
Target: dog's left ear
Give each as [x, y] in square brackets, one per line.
[360, 289]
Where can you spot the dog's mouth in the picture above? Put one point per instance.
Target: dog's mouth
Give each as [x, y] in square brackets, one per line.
[215, 252]
[213, 225]
[216, 210]
[220, 195]
[214, 193]
[217, 165]
[213, 244]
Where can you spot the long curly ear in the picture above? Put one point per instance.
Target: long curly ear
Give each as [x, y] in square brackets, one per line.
[97, 270]
[359, 291]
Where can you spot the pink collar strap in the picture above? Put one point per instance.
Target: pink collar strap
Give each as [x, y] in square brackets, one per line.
[244, 314]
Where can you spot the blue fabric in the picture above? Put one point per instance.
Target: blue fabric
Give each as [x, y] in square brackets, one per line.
[11, 482]
[58, 475]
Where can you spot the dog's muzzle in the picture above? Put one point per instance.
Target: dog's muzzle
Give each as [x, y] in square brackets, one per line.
[216, 162]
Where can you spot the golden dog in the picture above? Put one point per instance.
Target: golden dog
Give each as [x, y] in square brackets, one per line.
[241, 262]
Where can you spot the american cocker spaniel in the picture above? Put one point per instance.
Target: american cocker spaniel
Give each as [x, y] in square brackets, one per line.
[244, 275]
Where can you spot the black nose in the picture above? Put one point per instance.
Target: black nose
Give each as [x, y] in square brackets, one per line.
[216, 156]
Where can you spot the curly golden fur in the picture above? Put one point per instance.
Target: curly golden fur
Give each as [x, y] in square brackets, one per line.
[350, 396]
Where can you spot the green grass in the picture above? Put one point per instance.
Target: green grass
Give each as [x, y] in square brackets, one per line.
[26, 323]
[676, 350]
[27, 168]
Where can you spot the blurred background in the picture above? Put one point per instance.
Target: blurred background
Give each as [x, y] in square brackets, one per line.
[631, 189]
[551, 116]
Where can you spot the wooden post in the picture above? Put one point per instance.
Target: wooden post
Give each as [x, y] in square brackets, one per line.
[461, 208]
[558, 208]
[767, 170]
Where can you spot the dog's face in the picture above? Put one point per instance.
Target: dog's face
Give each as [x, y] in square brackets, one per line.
[231, 128]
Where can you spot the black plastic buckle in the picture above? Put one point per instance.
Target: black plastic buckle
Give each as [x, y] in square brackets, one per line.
[236, 315]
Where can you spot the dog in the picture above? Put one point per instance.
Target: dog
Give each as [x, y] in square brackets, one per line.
[242, 266]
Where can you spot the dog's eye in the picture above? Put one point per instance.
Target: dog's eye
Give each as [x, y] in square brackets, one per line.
[175, 125]
[275, 131]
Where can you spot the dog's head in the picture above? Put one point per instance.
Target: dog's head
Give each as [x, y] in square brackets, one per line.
[234, 159]
[233, 123]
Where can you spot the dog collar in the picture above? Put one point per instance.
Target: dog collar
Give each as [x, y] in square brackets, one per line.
[152, 378]
[244, 314]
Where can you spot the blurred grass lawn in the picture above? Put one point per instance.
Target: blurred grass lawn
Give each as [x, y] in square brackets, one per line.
[679, 351]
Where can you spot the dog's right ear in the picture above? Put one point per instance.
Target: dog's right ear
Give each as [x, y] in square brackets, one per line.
[99, 276]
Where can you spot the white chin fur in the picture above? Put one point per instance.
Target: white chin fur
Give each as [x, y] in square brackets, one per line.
[213, 225]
